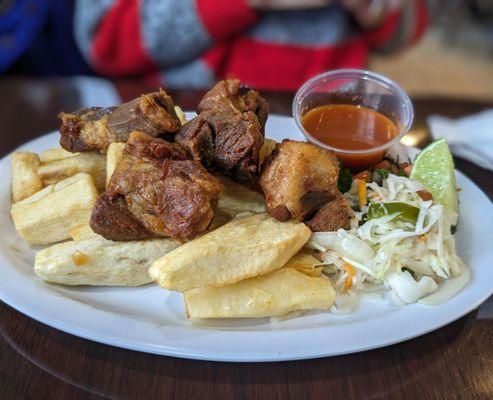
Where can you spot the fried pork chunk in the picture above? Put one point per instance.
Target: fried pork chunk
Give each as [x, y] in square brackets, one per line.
[231, 95]
[93, 129]
[156, 191]
[228, 133]
[332, 216]
[299, 180]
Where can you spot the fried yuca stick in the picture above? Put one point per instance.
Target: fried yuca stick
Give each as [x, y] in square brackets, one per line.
[241, 249]
[305, 262]
[91, 163]
[49, 215]
[114, 154]
[275, 294]
[181, 115]
[100, 262]
[55, 154]
[266, 150]
[82, 232]
[25, 180]
[238, 198]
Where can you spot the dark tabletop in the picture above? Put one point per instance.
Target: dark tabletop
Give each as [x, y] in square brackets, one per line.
[40, 362]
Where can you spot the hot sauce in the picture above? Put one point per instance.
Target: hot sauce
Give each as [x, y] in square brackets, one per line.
[351, 127]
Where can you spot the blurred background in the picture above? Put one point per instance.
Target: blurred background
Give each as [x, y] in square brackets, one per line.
[454, 57]
[65, 54]
[189, 44]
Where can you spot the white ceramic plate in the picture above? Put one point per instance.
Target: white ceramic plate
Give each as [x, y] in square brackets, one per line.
[152, 320]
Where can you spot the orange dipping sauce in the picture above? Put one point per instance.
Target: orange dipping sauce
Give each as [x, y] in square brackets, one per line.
[351, 127]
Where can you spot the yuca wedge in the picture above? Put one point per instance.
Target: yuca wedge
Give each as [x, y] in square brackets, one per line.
[100, 262]
[82, 232]
[240, 249]
[48, 215]
[275, 294]
[266, 149]
[306, 263]
[181, 115]
[25, 180]
[55, 154]
[93, 164]
[237, 199]
[113, 155]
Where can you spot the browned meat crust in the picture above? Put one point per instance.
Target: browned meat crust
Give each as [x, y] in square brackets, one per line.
[73, 123]
[93, 129]
[228, 133]
[331, 217]
[298, 178]
[112, 220]
[169, 194]
[232, 96]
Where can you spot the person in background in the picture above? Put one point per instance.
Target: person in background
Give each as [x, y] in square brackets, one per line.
[36, 37]
[267, 44]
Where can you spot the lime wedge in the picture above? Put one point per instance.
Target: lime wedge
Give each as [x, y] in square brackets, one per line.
[434, 168]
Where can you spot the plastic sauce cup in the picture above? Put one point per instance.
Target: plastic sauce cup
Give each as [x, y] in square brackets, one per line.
[355, 87]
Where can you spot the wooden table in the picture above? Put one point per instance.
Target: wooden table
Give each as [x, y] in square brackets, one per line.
[40, 362]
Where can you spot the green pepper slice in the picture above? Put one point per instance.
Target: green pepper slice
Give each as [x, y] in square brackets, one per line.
[407, 213]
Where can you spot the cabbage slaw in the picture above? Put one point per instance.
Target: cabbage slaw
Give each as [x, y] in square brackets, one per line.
[410, 262]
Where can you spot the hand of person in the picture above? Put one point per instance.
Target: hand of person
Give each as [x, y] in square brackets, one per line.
[271, 5]
[369, 13]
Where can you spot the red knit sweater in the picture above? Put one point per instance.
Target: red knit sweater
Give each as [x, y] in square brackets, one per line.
[187, 43]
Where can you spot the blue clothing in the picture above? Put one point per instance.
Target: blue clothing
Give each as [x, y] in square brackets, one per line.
[36, 37]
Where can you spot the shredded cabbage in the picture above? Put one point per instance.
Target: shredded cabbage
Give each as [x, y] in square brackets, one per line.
[414, 262]
[448, 289]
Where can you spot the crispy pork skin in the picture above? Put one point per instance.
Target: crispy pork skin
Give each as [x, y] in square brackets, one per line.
[298, 178]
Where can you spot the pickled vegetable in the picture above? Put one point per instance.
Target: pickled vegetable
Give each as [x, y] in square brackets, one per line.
[407, 213]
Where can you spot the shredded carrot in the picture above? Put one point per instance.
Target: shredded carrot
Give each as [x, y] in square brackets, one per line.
[361, 192]
[423, 238]
[350, 274]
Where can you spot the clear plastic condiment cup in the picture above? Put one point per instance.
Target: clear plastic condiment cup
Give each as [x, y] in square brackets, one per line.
[355, 87]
